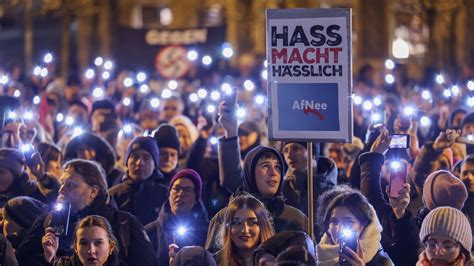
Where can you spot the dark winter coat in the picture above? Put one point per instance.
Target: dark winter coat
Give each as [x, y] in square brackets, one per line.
[113, 260]
[205, 162]
[7, 254]
[163, 231]
[295, 185]
[142, 199]
[105, 154]
[133, 243]
[400, 236]
[44, 190]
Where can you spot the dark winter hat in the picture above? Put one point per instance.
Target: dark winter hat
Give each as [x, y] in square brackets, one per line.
[166, 136]
[302, 143]
[13, 160]
[468, 119]
[295, 255]
[449, 222]
[248, 127]
[105, 154]
[103, 104]
[442, 188]
[281, 241]
[24, 210]
[194, 255]
[144, 143]
[191, 175]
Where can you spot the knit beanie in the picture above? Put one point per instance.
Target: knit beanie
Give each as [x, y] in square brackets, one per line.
[166, 136]
[315, 145]
[13, 160]
[449, 222]
[24, 210]
[144, 143]
[191, 175]
[442, 188]
[103, 104]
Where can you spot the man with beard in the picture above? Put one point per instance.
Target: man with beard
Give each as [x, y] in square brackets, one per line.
[166, 137]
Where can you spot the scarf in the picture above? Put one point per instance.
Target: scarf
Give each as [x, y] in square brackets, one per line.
[460, 261]
[369, 240]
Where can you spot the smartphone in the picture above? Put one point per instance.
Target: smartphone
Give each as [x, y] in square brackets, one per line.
[60, 219]
[347, 238]
[399, 141]
[230, 99]
[398, 177]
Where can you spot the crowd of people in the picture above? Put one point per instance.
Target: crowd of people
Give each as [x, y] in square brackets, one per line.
[131, 170]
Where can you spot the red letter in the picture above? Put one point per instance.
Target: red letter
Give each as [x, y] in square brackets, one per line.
[279, 55]
[320, 55]
[295, 55]
[335, 52]
[305, 56]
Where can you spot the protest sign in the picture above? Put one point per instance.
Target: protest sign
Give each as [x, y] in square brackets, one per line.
[309, 74]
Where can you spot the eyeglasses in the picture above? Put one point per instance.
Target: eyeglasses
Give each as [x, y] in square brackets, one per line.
[185, 190]
[240, 223]
[434, 246]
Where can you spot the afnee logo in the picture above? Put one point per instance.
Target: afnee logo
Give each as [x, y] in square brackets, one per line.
[310, 107]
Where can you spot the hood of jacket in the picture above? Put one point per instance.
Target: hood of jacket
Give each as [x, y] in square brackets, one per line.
[324, 172]
[105, 154]
[328, 252]
[250, 162]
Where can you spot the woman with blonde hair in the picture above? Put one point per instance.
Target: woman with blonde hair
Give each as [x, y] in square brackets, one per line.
[246, 225]
[93, 242]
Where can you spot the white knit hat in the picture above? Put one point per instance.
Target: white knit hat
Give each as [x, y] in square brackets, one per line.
[449, 222]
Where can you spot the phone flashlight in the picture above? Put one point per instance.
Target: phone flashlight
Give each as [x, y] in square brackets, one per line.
[241, 112]
[395, 165]
[69, 120]
[127, 129]
[182, 231]
[375, 118]
[77, 131]
[26, 148]
[11, 115]
[347, 238]
[210, 108]
[409, 110]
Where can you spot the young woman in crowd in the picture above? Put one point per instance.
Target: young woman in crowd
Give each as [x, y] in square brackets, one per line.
[246, 225]
[348, 216]
[446, 237]
[93, 244]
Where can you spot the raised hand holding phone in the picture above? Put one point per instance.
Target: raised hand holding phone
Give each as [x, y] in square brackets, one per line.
[227, 117]
[398, 177]
[400, 203]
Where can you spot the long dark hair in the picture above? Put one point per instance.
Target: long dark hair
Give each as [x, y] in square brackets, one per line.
[355, 202]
